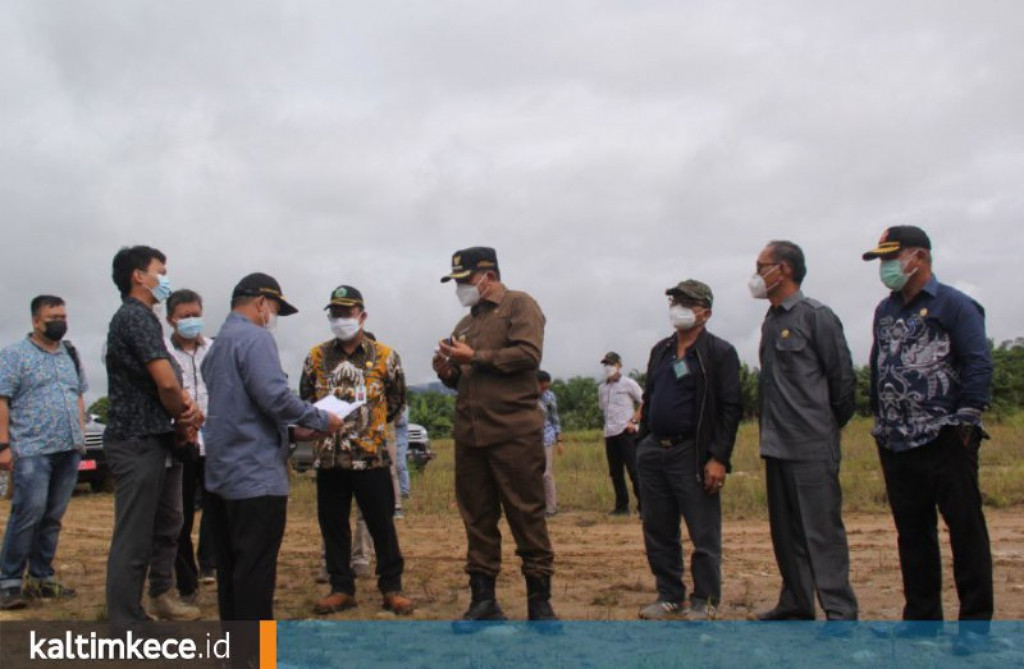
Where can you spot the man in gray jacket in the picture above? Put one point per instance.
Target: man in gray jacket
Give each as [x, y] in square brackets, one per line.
[806, 395]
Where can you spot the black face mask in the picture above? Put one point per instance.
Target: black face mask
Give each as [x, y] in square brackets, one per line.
[55, 330]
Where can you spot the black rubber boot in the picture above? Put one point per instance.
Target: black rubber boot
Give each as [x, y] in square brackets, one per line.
[538, 598]
[484, 605]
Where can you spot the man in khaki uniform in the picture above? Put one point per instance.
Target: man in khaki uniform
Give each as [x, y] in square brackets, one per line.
[491, 359]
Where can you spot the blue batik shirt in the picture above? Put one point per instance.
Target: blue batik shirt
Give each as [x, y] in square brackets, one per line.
[930, 365]
[42, 390]
[552, 423]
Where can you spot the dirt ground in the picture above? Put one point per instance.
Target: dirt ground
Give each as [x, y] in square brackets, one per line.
[601, 569]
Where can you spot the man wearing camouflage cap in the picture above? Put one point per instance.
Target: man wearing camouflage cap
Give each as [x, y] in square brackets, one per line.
[691, 409]
[806, 397]
[491, 359]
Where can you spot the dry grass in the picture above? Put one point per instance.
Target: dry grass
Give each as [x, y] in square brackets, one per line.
[582, 476]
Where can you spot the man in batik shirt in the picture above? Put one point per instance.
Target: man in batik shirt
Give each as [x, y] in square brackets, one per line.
[355, 462]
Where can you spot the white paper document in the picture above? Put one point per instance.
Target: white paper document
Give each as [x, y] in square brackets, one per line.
[336, 406]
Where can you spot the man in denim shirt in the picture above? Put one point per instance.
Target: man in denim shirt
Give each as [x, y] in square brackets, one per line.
[42, 421]
[931, 374]
[247, 437]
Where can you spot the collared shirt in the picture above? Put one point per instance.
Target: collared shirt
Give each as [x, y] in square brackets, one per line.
[673, 398]
[192, 375]
[42, 389]
[618, 400]
[373, 375]
[806, 383]
[930, 360]
[251, 407]
[552, 423]
[134, 340]
[498, 390]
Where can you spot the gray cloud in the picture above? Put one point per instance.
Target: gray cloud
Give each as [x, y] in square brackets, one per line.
[606, 149]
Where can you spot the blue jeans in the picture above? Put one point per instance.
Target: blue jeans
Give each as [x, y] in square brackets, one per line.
[42, 489]
[401, 453]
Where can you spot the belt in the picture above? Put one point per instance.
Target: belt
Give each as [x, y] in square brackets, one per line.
[670, 440]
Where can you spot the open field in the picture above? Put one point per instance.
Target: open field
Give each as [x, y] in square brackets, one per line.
[601, 568]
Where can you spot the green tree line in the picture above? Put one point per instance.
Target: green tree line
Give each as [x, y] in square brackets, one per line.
[577, 396]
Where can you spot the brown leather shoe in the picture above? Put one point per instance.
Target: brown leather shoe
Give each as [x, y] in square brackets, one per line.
[398, 603]
[336, 601]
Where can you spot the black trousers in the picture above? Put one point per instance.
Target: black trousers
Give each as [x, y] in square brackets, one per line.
[375, 495]
[942, 474]
[186, 571]
[671, 489]
[247, 536]
[621, 452]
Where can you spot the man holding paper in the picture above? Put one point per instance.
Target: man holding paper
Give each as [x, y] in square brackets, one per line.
[352, 372]
[246, 435]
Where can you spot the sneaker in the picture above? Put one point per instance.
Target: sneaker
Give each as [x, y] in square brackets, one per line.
[168, 607]
[399, 513]
[662, 610]
[398, 604]
[703, 609]
[334, 602]
[11, 599]
[362, 570]
[551, 514]
[207, 577]
[37, 588]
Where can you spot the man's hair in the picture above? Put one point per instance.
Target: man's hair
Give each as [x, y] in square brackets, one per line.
[129, 259]
[242, 300]
[180, 297]
[41, 301]
[792, 255]
[543, 377]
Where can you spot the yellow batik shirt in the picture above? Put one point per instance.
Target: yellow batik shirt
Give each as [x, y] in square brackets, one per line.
[373, 375]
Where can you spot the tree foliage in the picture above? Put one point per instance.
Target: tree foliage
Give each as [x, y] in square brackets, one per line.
[100, 408]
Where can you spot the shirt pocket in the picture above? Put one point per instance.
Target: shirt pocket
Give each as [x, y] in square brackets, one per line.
[789, 350]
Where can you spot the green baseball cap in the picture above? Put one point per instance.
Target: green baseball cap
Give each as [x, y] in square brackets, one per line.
[694, 290]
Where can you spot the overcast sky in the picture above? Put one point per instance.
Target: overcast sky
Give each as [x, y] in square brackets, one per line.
[607, 149]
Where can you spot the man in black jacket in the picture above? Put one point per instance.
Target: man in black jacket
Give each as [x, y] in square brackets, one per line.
[692, 408]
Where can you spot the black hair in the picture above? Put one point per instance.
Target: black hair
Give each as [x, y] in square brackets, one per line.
[41, 301]
[543, 377]
[129, 259]
[792, 255]
[180, 297]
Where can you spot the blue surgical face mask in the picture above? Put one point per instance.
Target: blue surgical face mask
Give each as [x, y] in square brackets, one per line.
[190, 328]
[162, 290]
[893, 274]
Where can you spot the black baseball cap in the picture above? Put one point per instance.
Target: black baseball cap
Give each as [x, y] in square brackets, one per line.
[467, 261]
[259, 284]
[693, 290]
[897, 238]
[345, 296]
[611, 358]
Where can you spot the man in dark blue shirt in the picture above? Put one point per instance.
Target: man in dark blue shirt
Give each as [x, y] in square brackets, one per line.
[691, 410]
[931, 374]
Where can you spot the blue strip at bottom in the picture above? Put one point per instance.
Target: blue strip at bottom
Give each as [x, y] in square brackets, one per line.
[791, 645]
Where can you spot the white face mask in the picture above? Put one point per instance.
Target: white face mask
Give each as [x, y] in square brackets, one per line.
[345, 329]
[610, 371]
[682, 318]
[270, 321]
[468, 294]
[759, 287]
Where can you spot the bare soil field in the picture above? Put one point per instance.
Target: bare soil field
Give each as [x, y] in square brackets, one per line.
[601, 568]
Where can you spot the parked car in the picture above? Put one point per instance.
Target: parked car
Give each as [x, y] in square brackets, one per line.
[93, 467]
[418, 456]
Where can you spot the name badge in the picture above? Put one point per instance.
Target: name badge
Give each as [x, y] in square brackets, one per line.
[680, 368]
